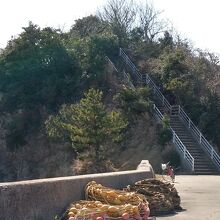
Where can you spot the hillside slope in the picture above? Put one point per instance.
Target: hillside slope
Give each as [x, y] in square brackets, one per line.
[41, 157]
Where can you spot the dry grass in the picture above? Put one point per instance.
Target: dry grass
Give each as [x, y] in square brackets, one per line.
[140, 145]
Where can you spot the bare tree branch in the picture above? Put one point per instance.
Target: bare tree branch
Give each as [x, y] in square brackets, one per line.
[120, 15]
[149, 21]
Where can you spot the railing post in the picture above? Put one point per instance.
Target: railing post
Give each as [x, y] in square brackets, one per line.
[179, 110]
[133, 70]
[193, 164]
[212, 153]
[184, 152]
[126, 60]
[120, 52]
[189, 123]
[174, 136]
[145, 79]
[200, 137]
[163, 101]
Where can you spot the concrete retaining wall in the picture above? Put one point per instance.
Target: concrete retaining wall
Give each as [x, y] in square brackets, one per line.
[43, 199]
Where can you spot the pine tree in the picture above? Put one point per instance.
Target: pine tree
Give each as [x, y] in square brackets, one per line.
[87, 125]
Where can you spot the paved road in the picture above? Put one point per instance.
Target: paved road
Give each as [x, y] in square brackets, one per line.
[200, 197]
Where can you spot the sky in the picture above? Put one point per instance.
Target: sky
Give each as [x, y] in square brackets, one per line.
[197, 20]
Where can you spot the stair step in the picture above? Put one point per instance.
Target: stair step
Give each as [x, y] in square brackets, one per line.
[177, 126]
[179, 130]
[184, 135]
[186, 140]
[203, 169]
[206, 173]
[189, 142]
[203, 166]
[202, 162]
[193, 146]
[197, 164]
[194, 150]
[198, 155]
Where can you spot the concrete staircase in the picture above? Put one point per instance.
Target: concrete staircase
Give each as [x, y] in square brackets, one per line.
[196, 152]
[202, 164]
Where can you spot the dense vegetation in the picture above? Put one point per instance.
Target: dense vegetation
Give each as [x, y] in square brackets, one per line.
[42, 69]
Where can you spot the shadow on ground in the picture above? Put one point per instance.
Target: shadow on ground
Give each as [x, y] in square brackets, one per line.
[172, 214]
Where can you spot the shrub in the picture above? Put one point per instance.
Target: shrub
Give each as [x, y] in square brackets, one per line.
[144, 92]
[134, 100]
[140, 106]
[128, 95]
[170, 154]
[165, 134]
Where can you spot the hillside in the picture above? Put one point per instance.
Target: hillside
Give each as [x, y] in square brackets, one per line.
[44, 68]
[41, 157]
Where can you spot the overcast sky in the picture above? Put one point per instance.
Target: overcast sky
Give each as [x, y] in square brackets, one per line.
[197, 20]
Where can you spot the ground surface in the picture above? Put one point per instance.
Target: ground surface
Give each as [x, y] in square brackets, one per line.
[200, 198]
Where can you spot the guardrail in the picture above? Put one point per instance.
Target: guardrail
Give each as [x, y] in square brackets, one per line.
[199, 137]
[127, 77]
[111, 63]
[147, 80]
[177, 142]
[130, 64]
[156, 91]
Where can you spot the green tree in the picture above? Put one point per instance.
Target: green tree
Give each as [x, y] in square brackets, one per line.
[36, 69]
[91, 52]
[87, 26]
[87, 125]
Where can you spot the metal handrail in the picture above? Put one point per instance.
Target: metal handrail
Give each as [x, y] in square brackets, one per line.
[146, 79]
[156, 91]
[158, 113]
[177, 142]
[199, 137]
[111, 63]
[130, 64]
[126, 76]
